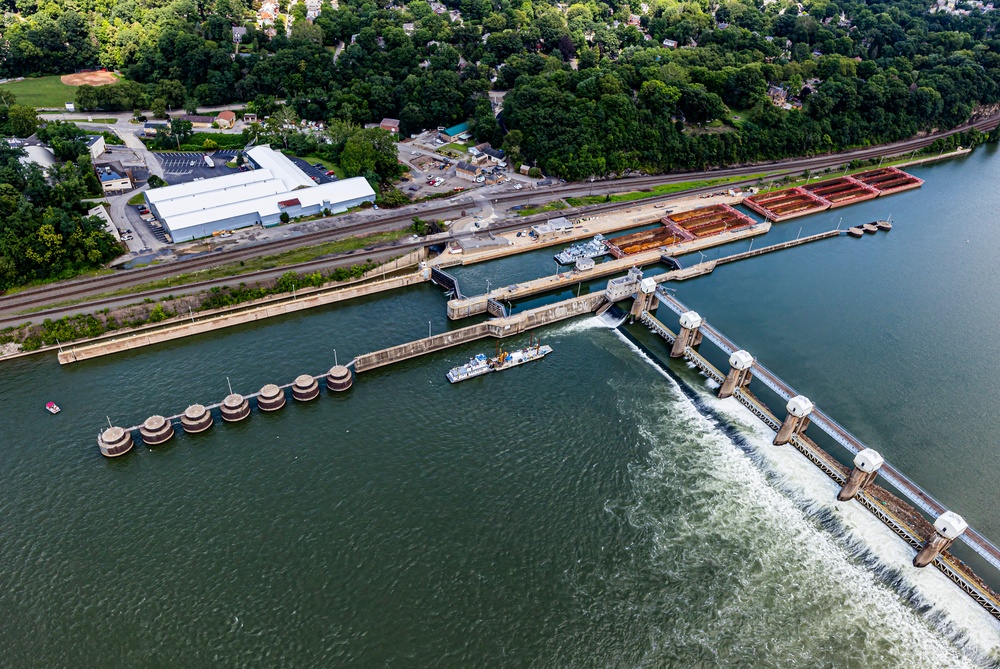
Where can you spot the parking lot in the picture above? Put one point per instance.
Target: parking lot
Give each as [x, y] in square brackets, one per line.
[318, 174]
[178, 168]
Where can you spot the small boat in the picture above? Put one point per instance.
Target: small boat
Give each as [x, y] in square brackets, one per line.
[855, 231]
[885, 226]
[870, 228]
[475, 367]
[504, 360]
[52, 408]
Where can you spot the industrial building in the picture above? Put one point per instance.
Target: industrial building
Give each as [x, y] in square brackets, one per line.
[256, 197]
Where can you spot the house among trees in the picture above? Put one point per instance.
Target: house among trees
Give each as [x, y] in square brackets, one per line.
[226, 119]
[199, 121]
[239, 32]
[390, 124]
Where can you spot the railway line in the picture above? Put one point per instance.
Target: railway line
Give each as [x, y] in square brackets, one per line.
[70, 290]
[106, 283]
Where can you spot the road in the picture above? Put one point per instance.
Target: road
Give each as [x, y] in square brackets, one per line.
[368, 221]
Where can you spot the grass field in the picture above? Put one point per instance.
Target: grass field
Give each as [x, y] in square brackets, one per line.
[665, 189]
[555, 205]
[42, 92]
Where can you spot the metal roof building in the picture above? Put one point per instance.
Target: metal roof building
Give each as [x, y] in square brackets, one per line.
[257, 197]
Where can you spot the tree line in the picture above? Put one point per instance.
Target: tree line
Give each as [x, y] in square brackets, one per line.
[590, 88]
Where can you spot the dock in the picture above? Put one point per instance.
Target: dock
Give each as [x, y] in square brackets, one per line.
[464, 307]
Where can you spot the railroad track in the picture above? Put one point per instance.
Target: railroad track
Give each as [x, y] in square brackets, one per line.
[26, 300]
[81, 287]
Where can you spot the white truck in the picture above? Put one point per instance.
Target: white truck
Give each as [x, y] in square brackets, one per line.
[209, 162]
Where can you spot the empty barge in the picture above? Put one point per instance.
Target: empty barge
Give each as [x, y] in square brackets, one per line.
[842, 191]
[681, 227]
[785, 204]
[889, 180]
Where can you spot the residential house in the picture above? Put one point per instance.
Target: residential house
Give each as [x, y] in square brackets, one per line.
[150, 128]
[249, 118]
[226, 119]
[239, 32]
[493, 156]
[390, 124]
[467, 171]
[409, 28]
[199, 121]
[670, 44]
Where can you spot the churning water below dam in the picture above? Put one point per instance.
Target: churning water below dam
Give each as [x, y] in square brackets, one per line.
[586, 510]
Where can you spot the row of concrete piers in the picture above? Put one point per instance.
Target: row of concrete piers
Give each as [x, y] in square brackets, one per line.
[156, 430]
[947, 527]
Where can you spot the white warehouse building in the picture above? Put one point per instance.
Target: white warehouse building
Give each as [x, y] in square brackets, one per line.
[255, 197]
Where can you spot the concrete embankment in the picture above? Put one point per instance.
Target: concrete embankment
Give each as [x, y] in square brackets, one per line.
[470, 306]
[499, 328]
[127, 342]
[465, 307]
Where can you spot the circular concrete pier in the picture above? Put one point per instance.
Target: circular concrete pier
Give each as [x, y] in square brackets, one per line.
[234, 408]
[339, 378]
[270, 398]
[196, 419]
[305, 388]
[156, 430]
[115, 441]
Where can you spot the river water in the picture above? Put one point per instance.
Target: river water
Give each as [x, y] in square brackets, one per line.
[591, 509]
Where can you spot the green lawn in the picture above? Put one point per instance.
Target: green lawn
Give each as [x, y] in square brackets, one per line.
[665, 189]
[555, 205]
[136, 199]
[42, 92]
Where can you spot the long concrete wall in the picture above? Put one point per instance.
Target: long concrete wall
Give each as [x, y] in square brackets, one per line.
[499, 327]
[129, 342]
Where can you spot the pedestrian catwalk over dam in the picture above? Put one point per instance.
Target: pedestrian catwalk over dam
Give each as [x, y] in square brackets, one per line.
[914, 493]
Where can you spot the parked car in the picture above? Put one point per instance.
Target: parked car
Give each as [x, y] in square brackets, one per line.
[331, 173]
[191, 164]
[374, 206]
[319, 166]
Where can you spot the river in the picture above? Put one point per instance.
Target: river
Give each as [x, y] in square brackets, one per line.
[587, 510]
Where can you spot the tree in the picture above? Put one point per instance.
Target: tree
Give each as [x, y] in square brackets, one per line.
[180, 130]
[159, 108]
[21, 120]
[155, 182]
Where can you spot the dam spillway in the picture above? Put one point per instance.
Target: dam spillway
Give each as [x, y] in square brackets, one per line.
[952, 567]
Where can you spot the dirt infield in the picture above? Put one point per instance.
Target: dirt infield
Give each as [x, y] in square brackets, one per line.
[99, 78]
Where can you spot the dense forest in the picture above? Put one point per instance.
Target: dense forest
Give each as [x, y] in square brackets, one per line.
[44, 230]
[591, 87]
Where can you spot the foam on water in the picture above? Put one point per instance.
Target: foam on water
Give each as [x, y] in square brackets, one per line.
[788, 548]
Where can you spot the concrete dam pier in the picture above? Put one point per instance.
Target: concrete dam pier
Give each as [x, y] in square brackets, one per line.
[931, 541]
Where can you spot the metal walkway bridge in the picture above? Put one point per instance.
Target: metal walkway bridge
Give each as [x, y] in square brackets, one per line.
[919, 497]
